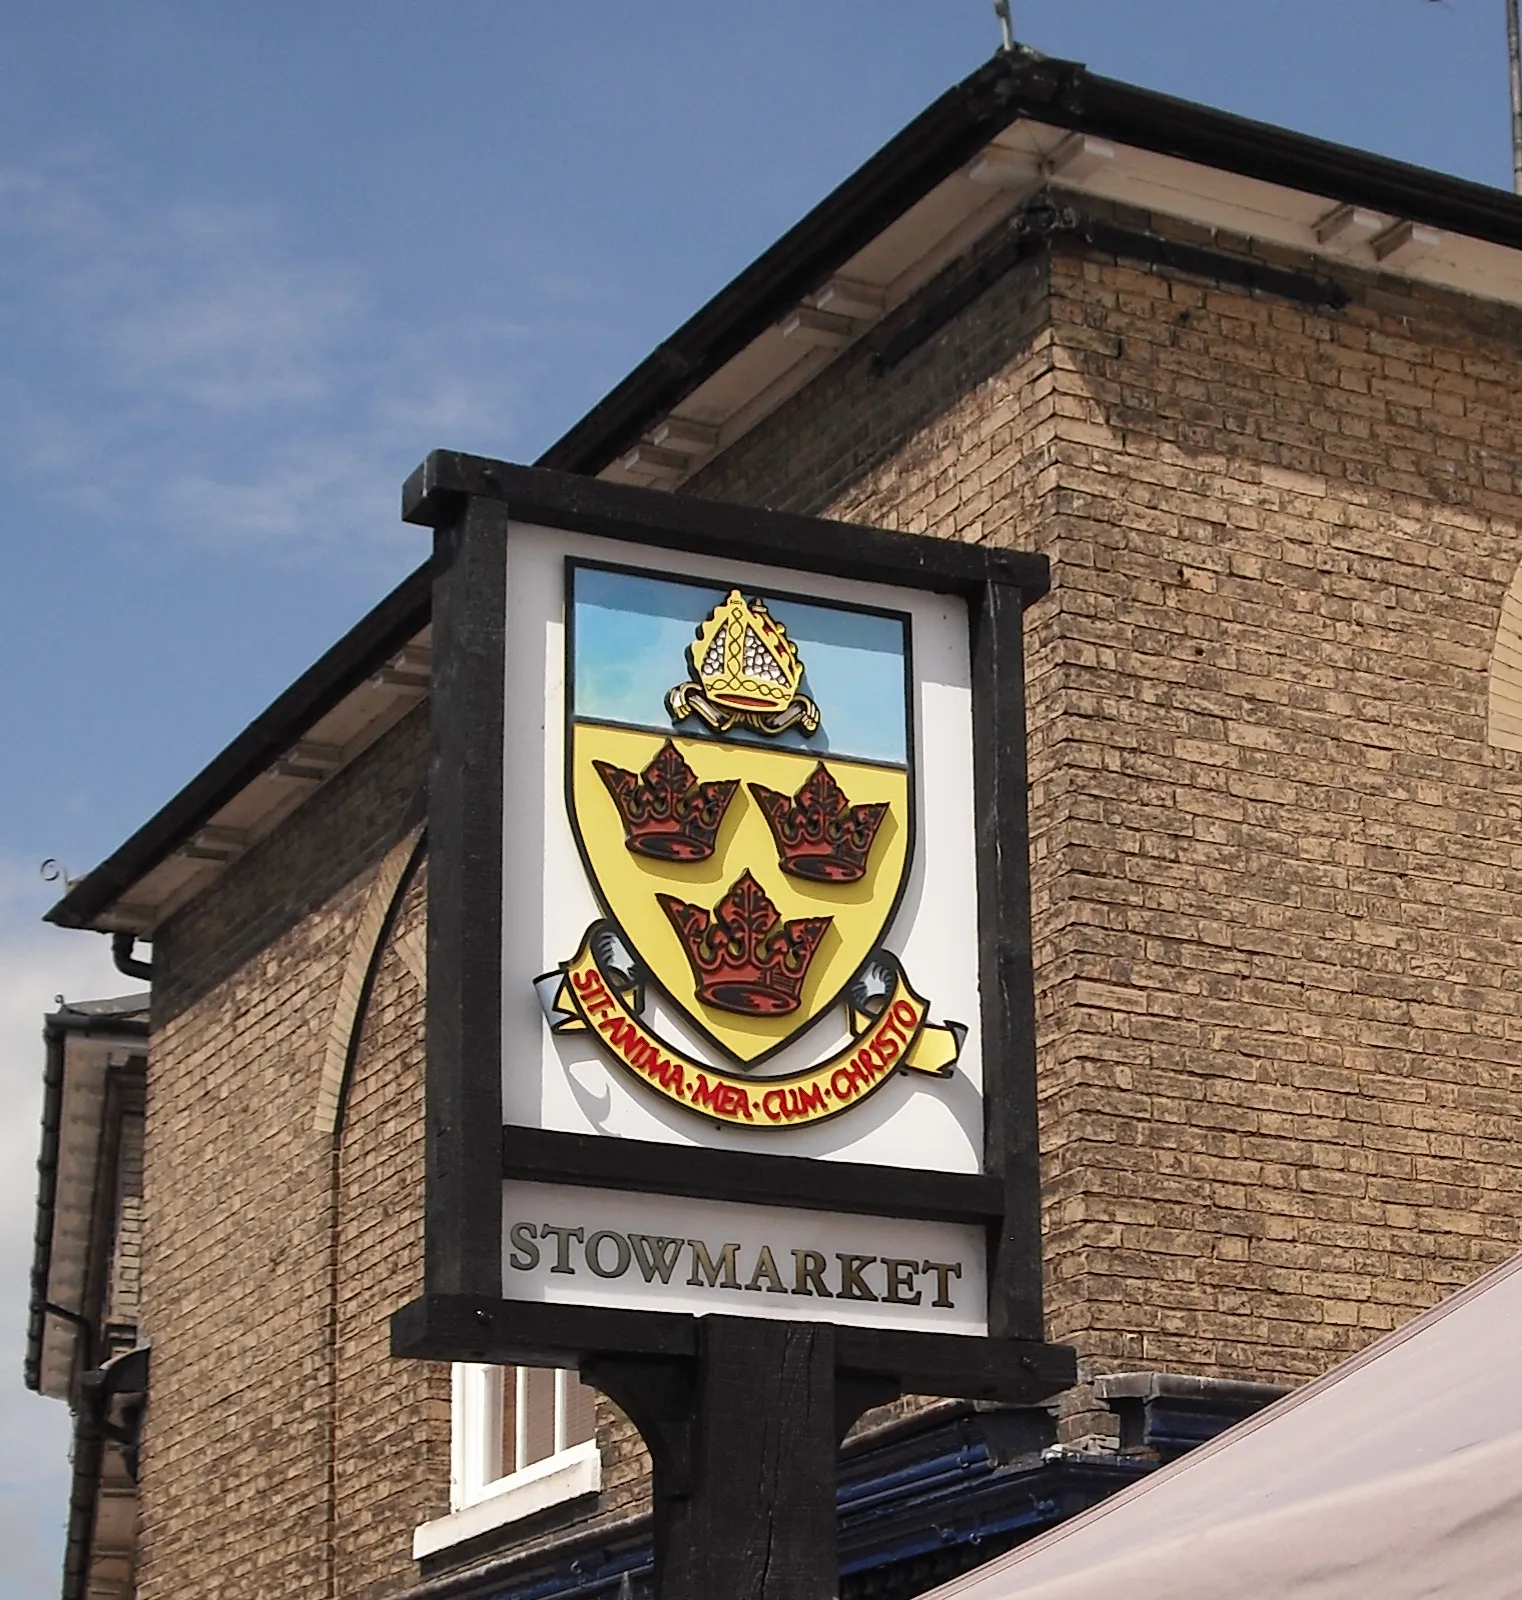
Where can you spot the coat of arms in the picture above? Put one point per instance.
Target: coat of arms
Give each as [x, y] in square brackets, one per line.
[748, 829]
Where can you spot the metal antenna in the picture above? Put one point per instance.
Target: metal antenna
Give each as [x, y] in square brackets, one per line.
[1514, 77]
[1007, 27]
[1514, 58]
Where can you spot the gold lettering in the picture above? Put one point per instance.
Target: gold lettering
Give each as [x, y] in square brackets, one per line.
[657, 1257]
[808, 1274]
[620, 1254]
[944, 1272]
[521, 1235]
[901, 1282]
[562, 1238]
[766, 1268]
[852, 1285]
[705, 1264]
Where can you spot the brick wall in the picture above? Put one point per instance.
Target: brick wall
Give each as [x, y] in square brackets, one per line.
[239, 1196]
[1278, 871]
[1278, 888]
[390, 1418]
[125, 1271]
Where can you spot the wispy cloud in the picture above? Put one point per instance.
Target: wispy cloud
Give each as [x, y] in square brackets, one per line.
[203, 311]
[190, 370]
[36, 963]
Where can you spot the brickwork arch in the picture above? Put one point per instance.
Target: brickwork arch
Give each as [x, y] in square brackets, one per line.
[1505, 708]
[386, 890]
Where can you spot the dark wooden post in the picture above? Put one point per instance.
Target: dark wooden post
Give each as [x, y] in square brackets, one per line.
[743, 1443]
[464, 1143]
[759, 1518]
[1006, 977]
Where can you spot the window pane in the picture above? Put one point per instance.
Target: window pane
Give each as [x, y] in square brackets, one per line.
[509, 1419]
[580, 1410]
[529, 1401]
[537, 1395]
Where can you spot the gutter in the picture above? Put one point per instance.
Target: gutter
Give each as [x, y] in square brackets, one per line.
[1066, 94]
[949, 134]
[942, 138]
[125, 962]
[47, 1198]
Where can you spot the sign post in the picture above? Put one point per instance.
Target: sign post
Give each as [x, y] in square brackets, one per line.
[731, 1067]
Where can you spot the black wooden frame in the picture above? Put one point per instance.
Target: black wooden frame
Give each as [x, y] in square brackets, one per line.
[469, 501]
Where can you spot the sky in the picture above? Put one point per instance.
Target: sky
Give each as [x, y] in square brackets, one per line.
[256, 260]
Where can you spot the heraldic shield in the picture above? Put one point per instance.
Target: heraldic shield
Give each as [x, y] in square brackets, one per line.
[740, 784]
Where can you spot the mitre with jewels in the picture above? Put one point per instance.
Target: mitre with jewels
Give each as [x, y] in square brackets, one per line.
[745, 672]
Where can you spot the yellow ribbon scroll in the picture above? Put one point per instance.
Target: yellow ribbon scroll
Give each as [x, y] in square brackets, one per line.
[897, 1033]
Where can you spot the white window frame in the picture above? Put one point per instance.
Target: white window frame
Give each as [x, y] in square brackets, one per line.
[485, 1491]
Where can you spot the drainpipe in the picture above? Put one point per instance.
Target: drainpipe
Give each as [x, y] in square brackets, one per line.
[121, 956]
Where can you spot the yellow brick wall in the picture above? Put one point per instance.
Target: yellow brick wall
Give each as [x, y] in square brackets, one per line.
[1277, 869]
[1277, 877]
[239, 1199]
[390, 1418]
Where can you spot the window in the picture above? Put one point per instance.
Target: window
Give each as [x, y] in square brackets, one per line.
[522, 1439]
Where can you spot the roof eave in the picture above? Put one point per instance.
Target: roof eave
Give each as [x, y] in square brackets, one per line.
[378, 636]
[948, 135]
[943, 137]
[1005, 90]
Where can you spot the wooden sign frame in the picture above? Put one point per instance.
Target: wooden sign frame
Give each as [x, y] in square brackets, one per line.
[462, 1315]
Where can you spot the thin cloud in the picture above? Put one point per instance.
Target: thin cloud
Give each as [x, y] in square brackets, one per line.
[184, 372]
[206, 314]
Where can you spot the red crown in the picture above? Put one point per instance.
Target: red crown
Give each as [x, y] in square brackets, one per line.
[666, 812]
[744, 957]
[819, 833]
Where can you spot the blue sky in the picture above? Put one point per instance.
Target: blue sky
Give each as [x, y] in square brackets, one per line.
[256, 260]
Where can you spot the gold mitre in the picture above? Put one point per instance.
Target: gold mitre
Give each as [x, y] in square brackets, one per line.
[743, 659]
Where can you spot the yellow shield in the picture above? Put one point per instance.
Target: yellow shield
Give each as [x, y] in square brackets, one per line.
[739, 782]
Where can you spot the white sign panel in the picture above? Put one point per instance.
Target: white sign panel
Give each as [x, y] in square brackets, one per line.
[738, 835]
[599, 1247]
